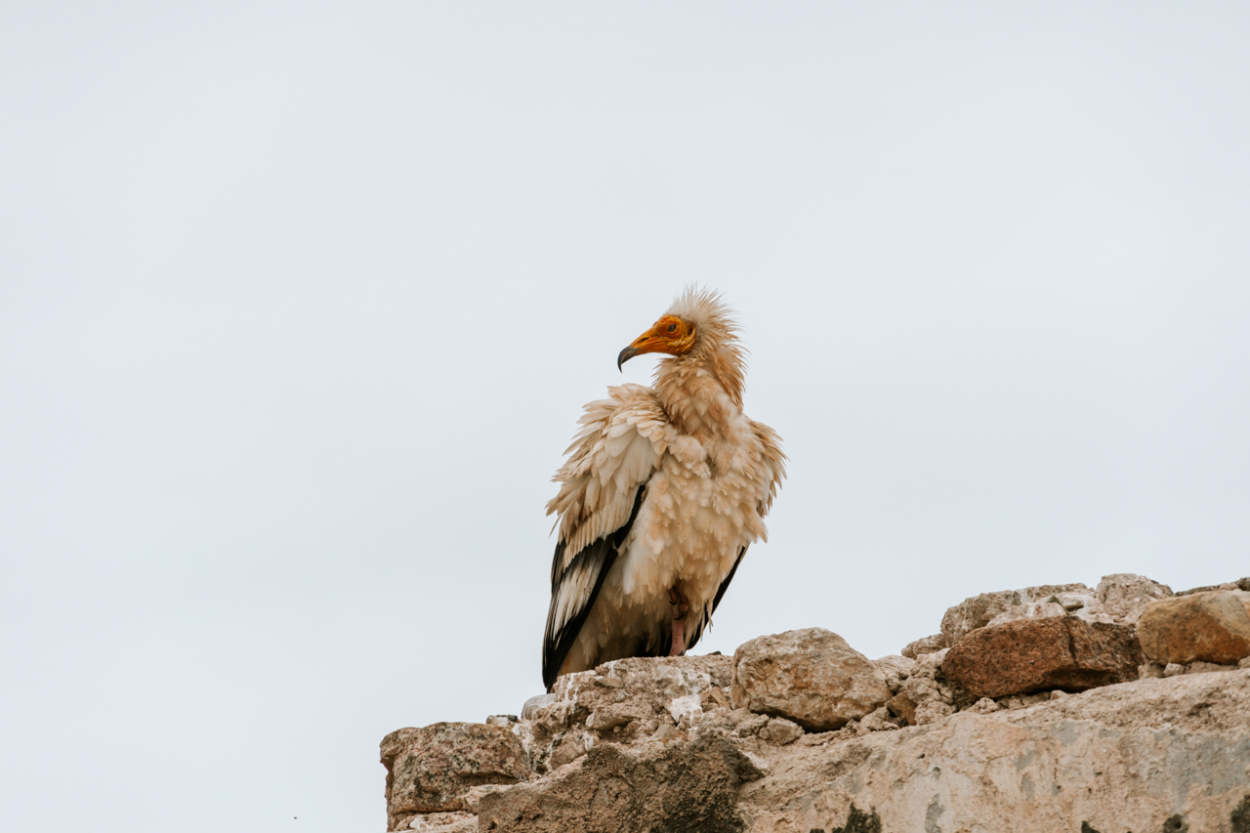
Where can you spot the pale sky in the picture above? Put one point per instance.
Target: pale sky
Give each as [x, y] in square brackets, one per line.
[300, 303]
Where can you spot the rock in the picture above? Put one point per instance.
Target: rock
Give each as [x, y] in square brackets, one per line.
[1035, 610]
[927, 645]
[684, 786]
[1123, 596]
[903, 706]
[923, 697]
[1239, 584]
[1119, 599]
[780, 731]
[809, 676]
[978, 611]
[1210, 627]
[1150, 755]
[533, 704]
[444, 823]
[895, 669]
[931, 711]
[429, 769]
[1028, 655]
[1150, 670]
[620, 702]
[879, 720]
[1170, 754]
[984, 706]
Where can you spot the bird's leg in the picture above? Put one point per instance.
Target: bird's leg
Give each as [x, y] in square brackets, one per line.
[680, 606]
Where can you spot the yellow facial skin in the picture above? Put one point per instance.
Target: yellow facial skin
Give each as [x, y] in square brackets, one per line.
[669, 335]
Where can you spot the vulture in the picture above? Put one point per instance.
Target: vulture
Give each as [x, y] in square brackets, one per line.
[663, 490]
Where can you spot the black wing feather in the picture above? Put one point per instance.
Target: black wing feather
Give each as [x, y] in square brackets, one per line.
[598, 556]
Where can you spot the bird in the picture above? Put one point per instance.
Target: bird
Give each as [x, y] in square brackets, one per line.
[663, 490]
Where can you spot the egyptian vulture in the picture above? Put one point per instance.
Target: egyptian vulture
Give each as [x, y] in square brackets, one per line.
[664, 489]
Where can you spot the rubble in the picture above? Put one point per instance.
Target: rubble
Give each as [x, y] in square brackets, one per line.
[1035, 710]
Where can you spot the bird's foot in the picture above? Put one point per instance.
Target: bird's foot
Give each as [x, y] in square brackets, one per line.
[678, 600]
[679, 638]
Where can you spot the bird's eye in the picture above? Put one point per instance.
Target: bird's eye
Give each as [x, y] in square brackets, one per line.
[672, 328]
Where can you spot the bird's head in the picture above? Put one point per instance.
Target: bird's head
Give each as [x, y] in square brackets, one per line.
[671, 334]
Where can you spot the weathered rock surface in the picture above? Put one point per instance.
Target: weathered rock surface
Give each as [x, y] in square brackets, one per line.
[1135, 756]
[978, 611]
[658, 745]
[926, 645]
[625, 701]
[1027, 655]
[684, 786]
[1239, 584]
[1119, 599]
[1203, 627]
[809, 676]
[430, 769]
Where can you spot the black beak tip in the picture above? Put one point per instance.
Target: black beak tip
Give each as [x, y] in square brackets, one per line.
[625, 355]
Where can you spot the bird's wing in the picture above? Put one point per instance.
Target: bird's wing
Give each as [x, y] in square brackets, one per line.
[601, 487]
[773, 462]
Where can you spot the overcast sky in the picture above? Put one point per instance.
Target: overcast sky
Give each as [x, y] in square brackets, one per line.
[300, 303]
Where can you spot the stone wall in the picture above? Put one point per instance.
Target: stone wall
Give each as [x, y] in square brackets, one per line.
[1061, 708]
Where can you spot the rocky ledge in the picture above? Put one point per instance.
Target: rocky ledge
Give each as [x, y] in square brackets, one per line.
[1060, 708]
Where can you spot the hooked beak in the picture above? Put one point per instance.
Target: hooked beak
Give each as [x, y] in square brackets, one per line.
[626, 354]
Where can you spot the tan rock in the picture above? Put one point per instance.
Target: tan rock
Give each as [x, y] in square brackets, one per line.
[895, 669]
[1239, 584]
[620, 702]
[690, 785]
[1123, 596]
[923, 697]
[1151, 755]
[780, 731]
[443, 823]
[1118, 600]
[1047, 609]
[429, 769]
[925, 645]
[903, 706]
[1210, 627]
[978, 611]
[1029, 655]
[809, 676]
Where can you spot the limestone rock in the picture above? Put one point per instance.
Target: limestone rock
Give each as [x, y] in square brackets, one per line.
[1123, 596]
[1169, 753]
[1029, 655]
[780, 731]
[809, 676]
[978, 611]
[1119, 599]
[429, 770]
[1150, 755]
[620, 702]
[924, 696]
[927, 645]
[443, 823]
[1209, 627]
[1053, 606]
[682, 786]
[1239, 584]
[895, 669]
